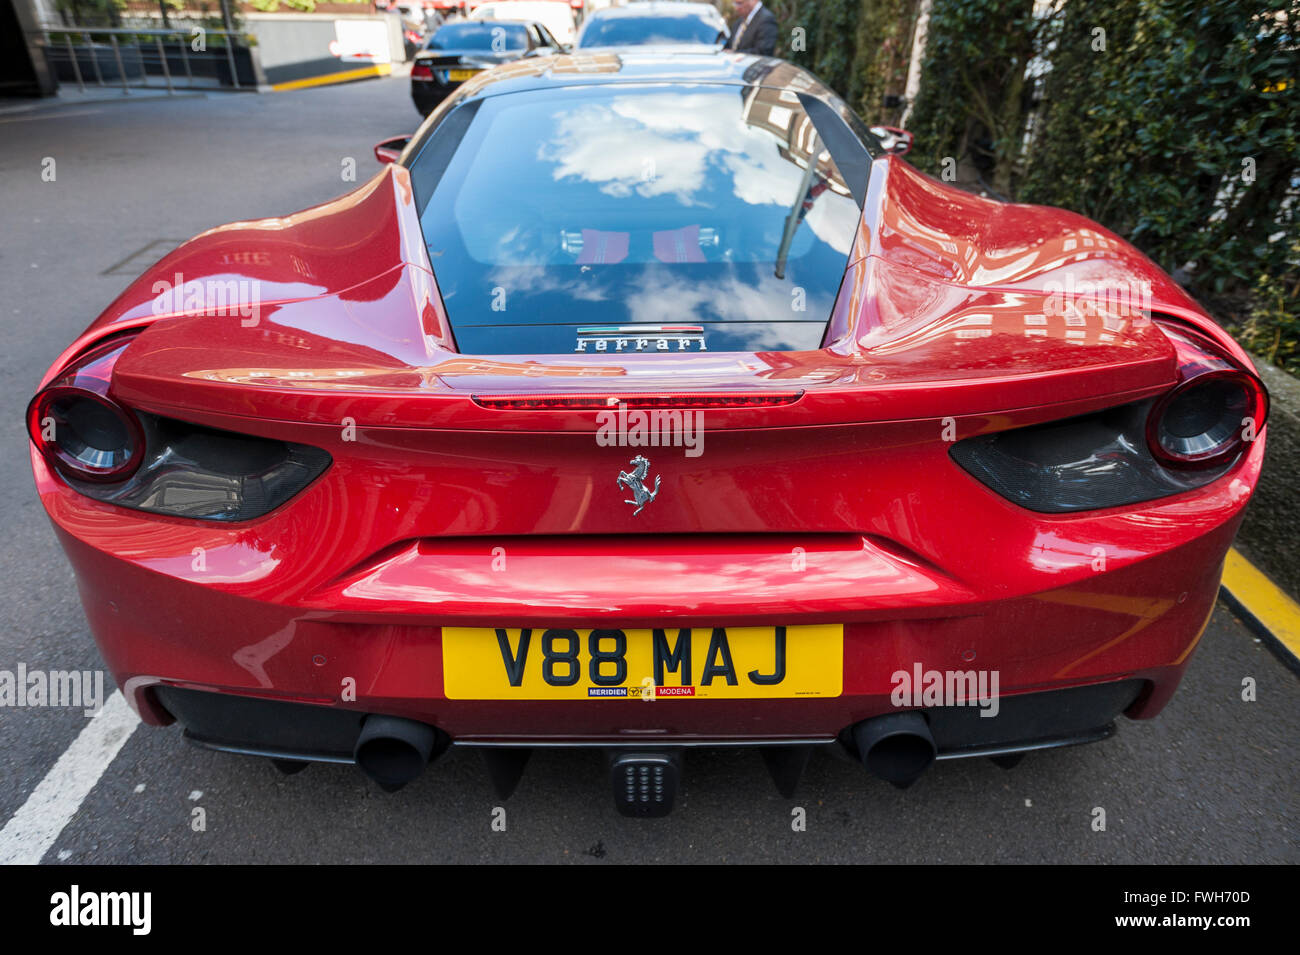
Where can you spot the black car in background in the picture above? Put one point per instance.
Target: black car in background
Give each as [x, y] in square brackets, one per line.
[654, 23]
[459, 50]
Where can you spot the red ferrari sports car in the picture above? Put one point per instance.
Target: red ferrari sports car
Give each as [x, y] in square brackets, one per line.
[646, 402]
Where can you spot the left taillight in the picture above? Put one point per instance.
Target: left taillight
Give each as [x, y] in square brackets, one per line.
[79, 428]
[145, 462]
[422, 71]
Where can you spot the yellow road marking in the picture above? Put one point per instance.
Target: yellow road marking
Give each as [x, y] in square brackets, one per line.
[1264, 600]
[378, 69]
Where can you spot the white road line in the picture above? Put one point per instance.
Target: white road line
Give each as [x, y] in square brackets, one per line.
[28, 835]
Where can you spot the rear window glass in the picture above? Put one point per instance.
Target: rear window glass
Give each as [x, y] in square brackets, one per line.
[633, 31]
[489, 37]
[638, 204]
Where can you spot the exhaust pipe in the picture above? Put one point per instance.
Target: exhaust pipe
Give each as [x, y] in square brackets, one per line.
[896, 747]
[393, 751]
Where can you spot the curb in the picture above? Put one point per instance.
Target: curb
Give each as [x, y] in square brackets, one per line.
[51, 104]
[1263, 607]
[347, 76]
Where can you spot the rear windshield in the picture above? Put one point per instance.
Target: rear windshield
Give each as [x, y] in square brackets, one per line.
[633, 31]
[490, 37]
[635, 204]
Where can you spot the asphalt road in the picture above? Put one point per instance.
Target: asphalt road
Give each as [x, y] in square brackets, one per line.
[1214, 779]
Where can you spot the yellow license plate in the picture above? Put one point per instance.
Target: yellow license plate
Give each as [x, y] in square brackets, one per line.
[712, 663]
[457, 75]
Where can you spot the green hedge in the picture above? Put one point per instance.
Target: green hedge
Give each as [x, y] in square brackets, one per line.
[1154, 135]
[974, 98]
[1184, 136]
[859, 49]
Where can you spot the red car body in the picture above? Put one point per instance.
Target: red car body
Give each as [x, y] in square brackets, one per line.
[840, 459]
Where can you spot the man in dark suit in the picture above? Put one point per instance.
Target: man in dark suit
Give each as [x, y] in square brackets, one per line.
[755, 29]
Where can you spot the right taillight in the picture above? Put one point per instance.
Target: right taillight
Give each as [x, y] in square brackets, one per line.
[1214, 411]
[1184, 439]
[1207, 419]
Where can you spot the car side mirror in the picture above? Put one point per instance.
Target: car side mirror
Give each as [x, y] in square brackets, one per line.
[896, 141]
[390, 149]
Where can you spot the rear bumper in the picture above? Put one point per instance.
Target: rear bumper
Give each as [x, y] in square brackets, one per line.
[427, 95]
[1139, 622]
[298, 731]
[280, 610]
